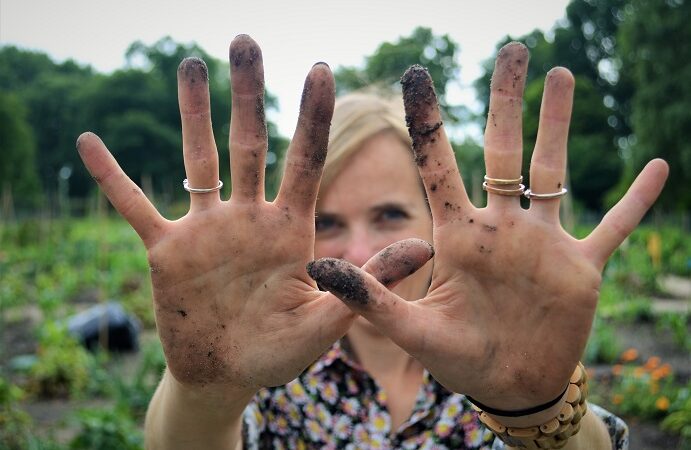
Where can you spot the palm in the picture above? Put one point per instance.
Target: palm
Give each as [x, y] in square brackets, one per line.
[229, 280]
[512, 296]
[507, 298]
[225, 297]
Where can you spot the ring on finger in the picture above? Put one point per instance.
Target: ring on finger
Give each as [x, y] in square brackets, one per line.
[509, 192]
[191, 190]
[533, 196]
[503, 181]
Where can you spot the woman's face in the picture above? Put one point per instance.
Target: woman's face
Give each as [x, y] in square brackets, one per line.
[376, 200]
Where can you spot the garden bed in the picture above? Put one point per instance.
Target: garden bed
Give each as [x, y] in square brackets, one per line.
[641, 338]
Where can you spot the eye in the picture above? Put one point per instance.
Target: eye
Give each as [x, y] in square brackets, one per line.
[392, 214]
[324, 223]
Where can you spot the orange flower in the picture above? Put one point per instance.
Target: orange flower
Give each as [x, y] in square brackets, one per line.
[662, 403]
[629, 355]
[666, 368]
[638, 372]
[661, 372]
[617, 399]
[617, 369]
[652, 363]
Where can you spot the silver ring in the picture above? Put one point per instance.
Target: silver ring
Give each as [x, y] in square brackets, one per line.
[533, 196]
[186, 185]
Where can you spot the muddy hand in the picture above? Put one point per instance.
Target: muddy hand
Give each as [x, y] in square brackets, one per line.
[512, 297]
[234, 304]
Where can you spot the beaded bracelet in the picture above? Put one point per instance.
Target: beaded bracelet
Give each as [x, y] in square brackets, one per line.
[553, 433]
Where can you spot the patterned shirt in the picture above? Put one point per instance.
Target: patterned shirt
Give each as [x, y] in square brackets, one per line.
[335, 404]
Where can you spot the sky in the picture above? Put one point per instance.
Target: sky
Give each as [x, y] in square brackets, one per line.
[293, 34]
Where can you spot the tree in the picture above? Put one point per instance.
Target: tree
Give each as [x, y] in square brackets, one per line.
[57, 116]
[586, 43]
[17, 152]
[134, 109]
[593, 163]
[161, 60]
[390, 60]
[656, 49]
[50, 93]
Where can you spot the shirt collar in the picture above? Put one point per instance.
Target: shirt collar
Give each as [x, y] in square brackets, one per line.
[339, 351]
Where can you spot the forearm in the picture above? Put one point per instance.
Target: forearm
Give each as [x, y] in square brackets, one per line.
[181, 418]
[593, 435]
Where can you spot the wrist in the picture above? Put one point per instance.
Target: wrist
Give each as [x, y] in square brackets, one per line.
[182, 417]
[208, 396]
[550, 426]
[525, 417]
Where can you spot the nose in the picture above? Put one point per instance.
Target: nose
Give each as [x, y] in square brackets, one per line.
[360, 247]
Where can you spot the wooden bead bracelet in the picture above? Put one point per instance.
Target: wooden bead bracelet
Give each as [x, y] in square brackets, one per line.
[552, 433]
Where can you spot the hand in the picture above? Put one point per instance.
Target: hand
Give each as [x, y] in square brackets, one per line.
[233, 302]
[512, 296]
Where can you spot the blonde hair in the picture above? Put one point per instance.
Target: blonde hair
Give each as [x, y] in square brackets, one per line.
[358, 117]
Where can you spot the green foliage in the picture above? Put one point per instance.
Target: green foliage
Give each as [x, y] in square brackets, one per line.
[14, 422]
[471, 162]
[679, 418]
[588, 45]
[134, 109]
[647, 391]
[593, 164]
[20, 69]
[585, 43]
[617, 304]
[391, 59]
[677, 324]
[106, 430]
[17, 430]
[56, 114]
[631, 266]
[134, 395]
[631, 63]
[54, 264]
[17, 152]
[654, 44]
[62, 367]
[144, 148]
[603, 346]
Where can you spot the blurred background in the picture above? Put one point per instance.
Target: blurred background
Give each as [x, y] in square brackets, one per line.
[79, 356]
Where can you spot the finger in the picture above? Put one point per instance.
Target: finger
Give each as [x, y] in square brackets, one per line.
[548, 164]
[391, 265]
[623, 218]
[198, 145]
[399, 260]
[363, 294]
[248, 137]
[122, 192]
[503, 134]
[307, 150]
[433, 153]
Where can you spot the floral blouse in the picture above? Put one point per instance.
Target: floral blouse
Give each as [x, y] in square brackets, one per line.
[335, 404]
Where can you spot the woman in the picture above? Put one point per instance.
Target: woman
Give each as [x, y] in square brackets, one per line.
[503, 315]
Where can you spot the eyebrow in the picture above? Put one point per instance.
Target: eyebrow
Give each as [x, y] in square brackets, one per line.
[376, 208]
[390, 205]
